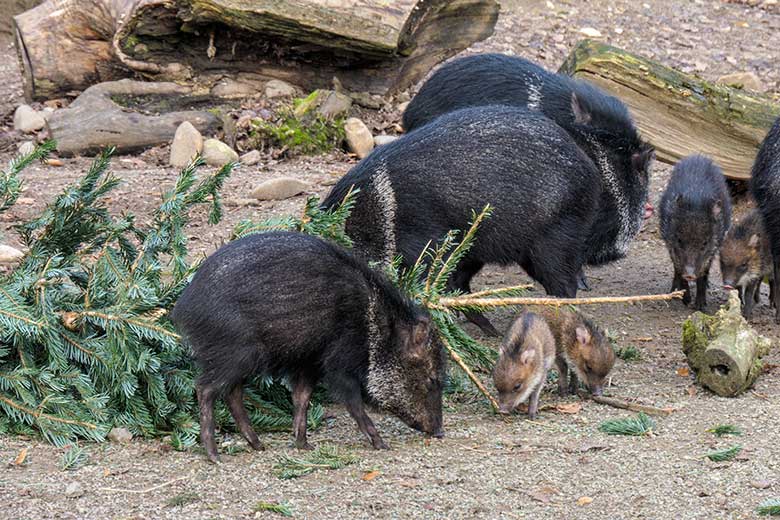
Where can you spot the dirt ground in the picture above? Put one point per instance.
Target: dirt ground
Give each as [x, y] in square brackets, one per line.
[486, 466]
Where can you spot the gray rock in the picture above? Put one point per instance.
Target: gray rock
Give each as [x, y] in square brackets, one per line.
[359, 138]
[187, 143]
[217, 153]
[744, 80]
[27, 120]
[120, 435]
[26, 148]
[74, 490]
[251, 158]
[230, 88]
[9, 255]
[279, 189]
[47, 112]
[380, 140]
[278, 88]
[368, 100]
[327, 103]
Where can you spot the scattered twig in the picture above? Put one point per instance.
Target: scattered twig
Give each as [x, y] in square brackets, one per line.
[625, 405]
[144, 491]
[467, 301]
[474, 379]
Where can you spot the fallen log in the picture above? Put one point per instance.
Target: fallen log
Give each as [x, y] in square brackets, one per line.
[370, 45]
[723, 350]
[678, 113]
[96, 119]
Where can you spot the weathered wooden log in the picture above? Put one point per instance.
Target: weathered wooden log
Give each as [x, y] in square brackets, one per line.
[678, 113]
[95, 120]
[723, 350]
[10, 9]
[370, 45]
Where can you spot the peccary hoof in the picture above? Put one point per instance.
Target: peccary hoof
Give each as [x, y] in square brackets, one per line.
[582, 282]
[303, 446]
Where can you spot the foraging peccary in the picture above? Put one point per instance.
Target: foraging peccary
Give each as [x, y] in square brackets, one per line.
[695, 215]
[288, 304]
[745, 259]
[599, 123]
[582, 348]
[527, 354]
[543, 188]
[765, 186]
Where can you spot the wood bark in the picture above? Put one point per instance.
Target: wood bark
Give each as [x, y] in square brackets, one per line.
[723, 350]
[678, 113]
[95, 120]
[370, 45]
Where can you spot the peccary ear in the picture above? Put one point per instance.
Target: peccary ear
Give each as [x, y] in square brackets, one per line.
[527, 356]
[583, 336]
[641, 161]
[716, 209]
[417, 338]
[753, 242]
[581, 114]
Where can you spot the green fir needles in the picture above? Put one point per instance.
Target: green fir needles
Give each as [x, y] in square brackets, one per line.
[637, 426]
[725, 454]
[770, 507]
[74, 458]
[725, 429]
[282, 508]
[323, 457]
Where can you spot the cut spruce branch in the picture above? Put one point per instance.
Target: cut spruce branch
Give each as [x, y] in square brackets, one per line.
[638, 426]
[725, 454]
[282, 508]
[725, 429]
[625, 405]
[770, 507]
[323, 457]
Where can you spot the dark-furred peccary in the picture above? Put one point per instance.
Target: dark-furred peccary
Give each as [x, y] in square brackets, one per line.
[765, 186]
[746, 259]
[695, 214]
[543, 188]
[599, 123]
[292, 305]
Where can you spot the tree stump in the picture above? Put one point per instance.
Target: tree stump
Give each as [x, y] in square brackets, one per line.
[723, 350]
[370, 45]
[96, 119]
[678, 113]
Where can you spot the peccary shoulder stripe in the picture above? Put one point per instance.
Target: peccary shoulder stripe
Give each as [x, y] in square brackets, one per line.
[535, 95]
[383, 190]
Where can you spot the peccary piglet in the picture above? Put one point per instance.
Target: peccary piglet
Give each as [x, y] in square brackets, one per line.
[765, 186]
[583, 352]
[695, 215]
[527, 354]
[292, 305]
[599, 123]
[745, 259]
[543, 189]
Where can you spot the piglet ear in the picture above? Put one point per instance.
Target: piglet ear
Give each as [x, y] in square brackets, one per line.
[583, 336]
[581, 113]
[753, 242]
[527, 356]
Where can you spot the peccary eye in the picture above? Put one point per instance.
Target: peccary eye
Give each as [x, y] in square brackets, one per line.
[517, 387]
[587, 367]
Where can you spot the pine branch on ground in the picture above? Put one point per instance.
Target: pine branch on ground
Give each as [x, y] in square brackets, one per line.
[282, 508]
[637, 426]
[769, 507]
[73, 458]
[725, 429]
[725, 454]
[323, 457]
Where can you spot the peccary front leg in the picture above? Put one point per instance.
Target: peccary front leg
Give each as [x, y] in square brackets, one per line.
[235, 402]
[582, 281]
[206, 395]
[702, 283]
[357, 411]
[533, 404]
[751, 290]
[574, 383]
[776, 288]
[563, 376]
[461, 280]
[302, 388]
[678, 283]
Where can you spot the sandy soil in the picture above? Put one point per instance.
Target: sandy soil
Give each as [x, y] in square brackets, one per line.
[487, 466]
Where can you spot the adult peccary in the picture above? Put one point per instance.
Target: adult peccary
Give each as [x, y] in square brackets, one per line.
[746, 259]
[765, 185]
[545, 193]
[292, 305]
[599, 123]
[695, 214]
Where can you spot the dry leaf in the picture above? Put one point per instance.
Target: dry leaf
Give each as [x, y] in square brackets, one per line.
[574, 407]
[54, 162]
[408, 484]
[543, 494]
[584, 501]
[683, 372]
[692, 391]
[644, 339]
[21, 457]
[370, 475]
[106, 472]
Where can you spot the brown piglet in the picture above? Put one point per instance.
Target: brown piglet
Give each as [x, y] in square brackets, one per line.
[582, 349]
[527, 354]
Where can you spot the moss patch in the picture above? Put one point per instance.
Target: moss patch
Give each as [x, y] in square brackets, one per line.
[309, 136]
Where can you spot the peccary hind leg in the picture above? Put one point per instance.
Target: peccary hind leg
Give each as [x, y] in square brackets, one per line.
[235, 402]
[302, 388]
[207, 394]
[563, 376]
[461, 280]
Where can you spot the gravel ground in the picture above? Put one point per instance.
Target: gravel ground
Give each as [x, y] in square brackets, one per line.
[487, 466]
